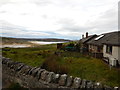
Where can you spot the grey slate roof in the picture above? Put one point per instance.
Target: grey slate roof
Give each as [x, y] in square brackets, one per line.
[112, 38]
[85, 40]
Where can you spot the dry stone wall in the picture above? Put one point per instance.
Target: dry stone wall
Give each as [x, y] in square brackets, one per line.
[36, 77]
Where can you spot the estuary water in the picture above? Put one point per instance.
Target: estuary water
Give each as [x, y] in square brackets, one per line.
[27, 45]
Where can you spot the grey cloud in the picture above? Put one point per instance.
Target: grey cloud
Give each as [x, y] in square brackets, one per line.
[105, 23]
[11, 30]
[4, 25]
[70, 25]
[41, 2]
[3, 2]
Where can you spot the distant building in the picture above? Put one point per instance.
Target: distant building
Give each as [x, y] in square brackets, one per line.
[84, 46]
[59, 45]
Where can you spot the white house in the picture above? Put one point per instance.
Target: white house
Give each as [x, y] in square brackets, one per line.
[111, 49]
[106, 46]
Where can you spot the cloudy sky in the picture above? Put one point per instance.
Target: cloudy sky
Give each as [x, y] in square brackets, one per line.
[67, 19]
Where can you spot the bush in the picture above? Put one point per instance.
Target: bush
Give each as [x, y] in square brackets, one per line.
[52, 64]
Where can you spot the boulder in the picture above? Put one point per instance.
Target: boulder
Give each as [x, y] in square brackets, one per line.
[76, 82]
[63, 79]
[69, 81]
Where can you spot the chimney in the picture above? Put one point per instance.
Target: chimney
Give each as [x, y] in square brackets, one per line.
[82, 36]
[86, 34]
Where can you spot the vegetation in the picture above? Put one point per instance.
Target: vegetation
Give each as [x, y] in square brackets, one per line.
[71, 63]
[16, 86]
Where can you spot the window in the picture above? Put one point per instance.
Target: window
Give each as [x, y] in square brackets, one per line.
[109, 49]
[99, 37]
[98, 49]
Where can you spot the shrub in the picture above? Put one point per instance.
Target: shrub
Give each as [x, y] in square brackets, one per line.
[52, 64]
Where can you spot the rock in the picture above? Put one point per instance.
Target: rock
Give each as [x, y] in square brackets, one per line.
[18, 67]
[116, 88]
[63, 80]
[35, 71]
[69, 81]
[98, 85]
[89, 84]
[50, 77]
[76, 82]
[107, 87]
[56, 78]
[83, 84]
[9, 63]
[30, 71]
[5, 60]
[39, 73]
[44, 75]
[24, 69]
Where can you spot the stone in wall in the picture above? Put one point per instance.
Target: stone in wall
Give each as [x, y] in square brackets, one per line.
[116, 88]
[50, 77]
[30, 71]
[76, 83]
[5, 60]
[44, 75]
[35, 71]
[69, 81]
[107, 87]
[83, 84]
[89, 84]
[39, 73]
[63, 79]
[25, 69]
[56, 78]
[98, 85]
[19, 66]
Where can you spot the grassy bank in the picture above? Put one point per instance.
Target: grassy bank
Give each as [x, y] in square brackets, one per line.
[71, 63]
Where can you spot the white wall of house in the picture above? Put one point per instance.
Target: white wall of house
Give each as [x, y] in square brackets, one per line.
[115, 53]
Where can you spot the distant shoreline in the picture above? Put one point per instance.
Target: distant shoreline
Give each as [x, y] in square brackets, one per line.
[29, 44]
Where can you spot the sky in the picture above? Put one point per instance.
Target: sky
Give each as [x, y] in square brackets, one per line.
[66, 19]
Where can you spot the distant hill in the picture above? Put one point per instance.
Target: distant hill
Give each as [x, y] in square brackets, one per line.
[8, 40]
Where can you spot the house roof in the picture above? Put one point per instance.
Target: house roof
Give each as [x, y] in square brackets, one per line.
[84, 40]
[112, 38]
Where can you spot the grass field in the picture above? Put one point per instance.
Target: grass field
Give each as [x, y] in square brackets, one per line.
[71, 63]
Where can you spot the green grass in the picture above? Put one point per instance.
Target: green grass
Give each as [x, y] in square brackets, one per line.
[72, 63]
[33, 56]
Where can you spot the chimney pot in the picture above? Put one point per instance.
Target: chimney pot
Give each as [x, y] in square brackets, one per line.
[82, 36]
[86, 34]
